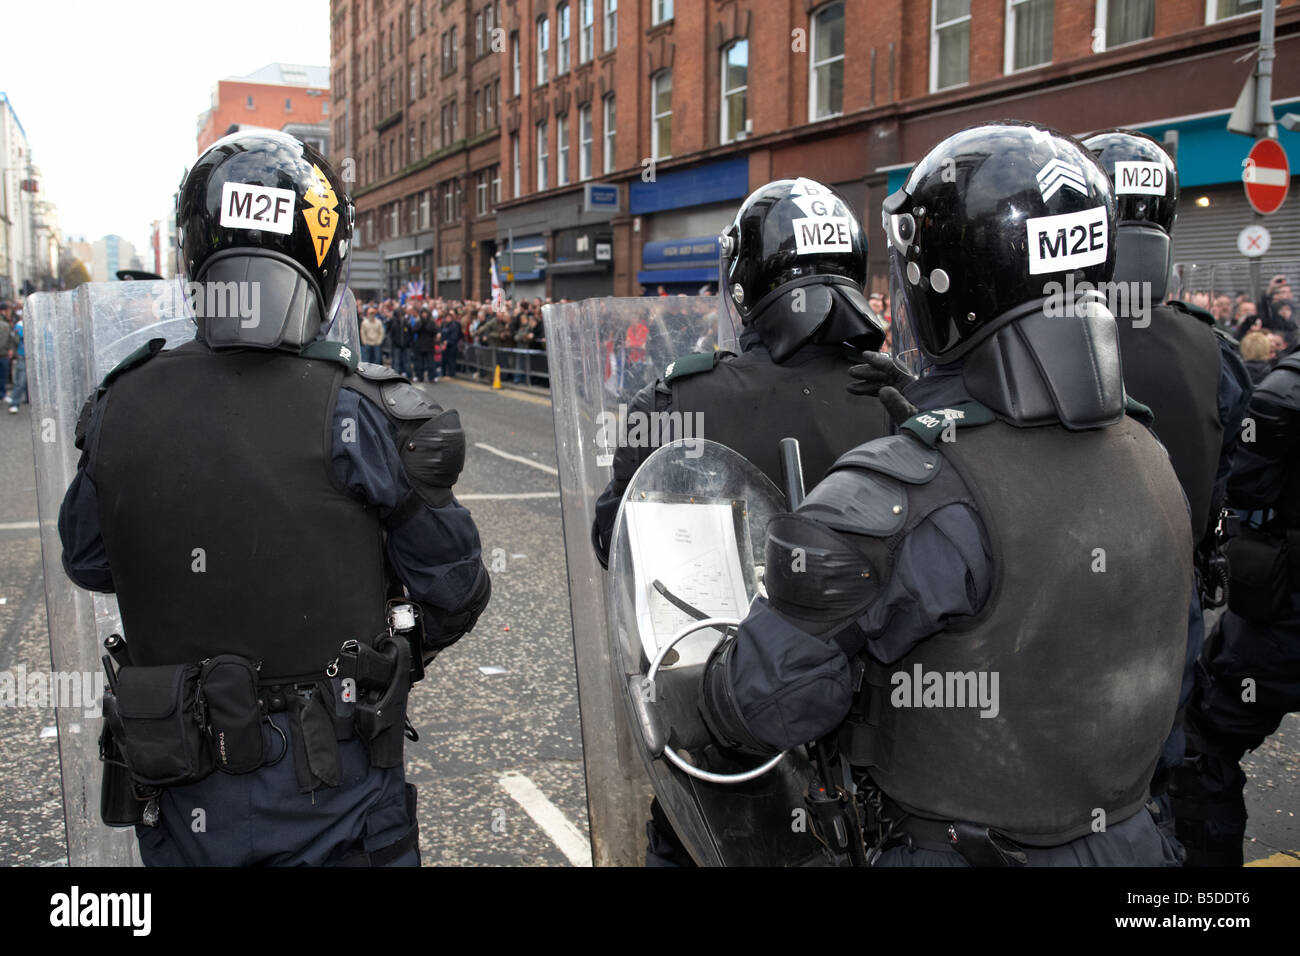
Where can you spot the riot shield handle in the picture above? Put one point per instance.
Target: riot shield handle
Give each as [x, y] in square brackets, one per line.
[675, 758]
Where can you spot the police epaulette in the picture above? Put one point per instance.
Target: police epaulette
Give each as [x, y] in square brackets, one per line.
[693, 364]
[141, 355]
[332, 352]
[929, 426]
[1139, 412]
[1195, 311]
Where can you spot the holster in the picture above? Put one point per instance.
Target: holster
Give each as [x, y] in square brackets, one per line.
[383, 681]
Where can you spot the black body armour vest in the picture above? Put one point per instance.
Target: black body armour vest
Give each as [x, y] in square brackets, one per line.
[1085, 629]
[1172, 367]
[749, 403]
[223, 527]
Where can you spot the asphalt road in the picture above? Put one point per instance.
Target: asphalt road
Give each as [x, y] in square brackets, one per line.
[499, 760]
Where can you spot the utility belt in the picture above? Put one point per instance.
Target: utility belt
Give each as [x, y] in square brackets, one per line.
[172, 725]
[1264, 569]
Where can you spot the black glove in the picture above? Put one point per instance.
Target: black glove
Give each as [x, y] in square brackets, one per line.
[899, 408]
[878, 369]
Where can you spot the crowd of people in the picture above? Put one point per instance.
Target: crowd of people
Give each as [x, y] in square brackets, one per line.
[427, 338]
[1267, 329]
[13, 356]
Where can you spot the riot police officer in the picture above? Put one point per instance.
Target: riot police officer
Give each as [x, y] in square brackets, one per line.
[1182, 366]
[1248, 675]
[793, 263]
[255, 498]
[962, 609]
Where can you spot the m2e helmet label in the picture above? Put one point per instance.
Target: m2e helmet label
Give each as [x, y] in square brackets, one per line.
[1068, 241]
[322, 214]
[249, 206]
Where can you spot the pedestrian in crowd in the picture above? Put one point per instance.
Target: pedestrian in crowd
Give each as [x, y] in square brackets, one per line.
[372, 338]
[18, 356]
[451, 335]
[1258, 352]
[426, 338]
[8, 344]
[399, 337]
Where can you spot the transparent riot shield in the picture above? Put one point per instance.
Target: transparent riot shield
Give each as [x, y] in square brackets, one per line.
[73, 340]
[685, 564]
[599, 355]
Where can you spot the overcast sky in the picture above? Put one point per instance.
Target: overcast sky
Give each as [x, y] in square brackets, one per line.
[109, 93]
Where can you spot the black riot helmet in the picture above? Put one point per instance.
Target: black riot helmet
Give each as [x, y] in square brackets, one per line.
[1146, 196]
[992, 222]
[793, 263]
[263, 216]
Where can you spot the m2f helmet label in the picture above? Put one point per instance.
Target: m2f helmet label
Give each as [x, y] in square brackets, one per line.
[1140, 178]
[321, 214]
[1068, 241]
[249, 206]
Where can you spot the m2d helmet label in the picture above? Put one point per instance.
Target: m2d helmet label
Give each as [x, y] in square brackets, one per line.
[249, 206]
[1140, 178]
[817, 234]
[1068, 241]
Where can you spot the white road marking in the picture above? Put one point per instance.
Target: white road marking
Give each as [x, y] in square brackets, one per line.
[20, 526]
[548, 816]
[508, 497]
[519, 458]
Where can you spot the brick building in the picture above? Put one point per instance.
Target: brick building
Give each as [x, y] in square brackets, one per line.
[278, 96]
[628, 131]
[416, 87]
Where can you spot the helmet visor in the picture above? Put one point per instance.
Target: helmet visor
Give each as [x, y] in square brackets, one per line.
[905, 341]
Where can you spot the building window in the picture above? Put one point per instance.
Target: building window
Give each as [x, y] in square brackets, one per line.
[454, 44]
[562, 36]
[542, 156]
[492, 112]
[423, 139]
[1216, 10]
[611, 24]
[478, 33]
[662, 10]
[661, 115]
[1029, 34]
[514, 163]
[410, 98]
[424, 74]
[424, 209]
[562, 148]
[394, 219]
[543, 45]
[446, 53]
[480, 193]
[610, 129]
[448, 203]
[514, 63]
[424, 15]
[413, 213]
[586, 30]
[826, 76]
[478, 111]
[288, 106]
[494, 195]
[249, 103]
[584, 142]
[410, 144]
[1123, 21]
[949, 43]
[735, 80]
[410, 34]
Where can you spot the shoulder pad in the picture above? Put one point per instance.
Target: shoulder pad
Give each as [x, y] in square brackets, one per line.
[1227, 339]
[858, 502]
[929, 425]
[392, 392]
[1138, 412]
[1195, 311]
[379, 373]
[1291, 363]
[141, 355]
[898, 456]
[693, 364]
[331, 352]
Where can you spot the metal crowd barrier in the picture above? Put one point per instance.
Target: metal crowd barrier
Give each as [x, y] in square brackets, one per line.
[519, 365]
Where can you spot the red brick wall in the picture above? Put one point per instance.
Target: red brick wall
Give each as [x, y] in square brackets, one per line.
[268, 108]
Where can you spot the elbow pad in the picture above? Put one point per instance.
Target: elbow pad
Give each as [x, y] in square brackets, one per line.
[433, 456]
[444, 628]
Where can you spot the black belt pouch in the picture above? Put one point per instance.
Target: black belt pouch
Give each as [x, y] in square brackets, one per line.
[1259, 575]
[233, 709]
[158, 725]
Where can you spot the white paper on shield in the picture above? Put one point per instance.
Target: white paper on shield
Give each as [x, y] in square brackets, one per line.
[692, 549]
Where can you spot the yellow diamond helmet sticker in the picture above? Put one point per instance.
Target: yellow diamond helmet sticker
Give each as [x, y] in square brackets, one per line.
[322, 217]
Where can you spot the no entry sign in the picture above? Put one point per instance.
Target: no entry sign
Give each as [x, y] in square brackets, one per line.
[1267, 176]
